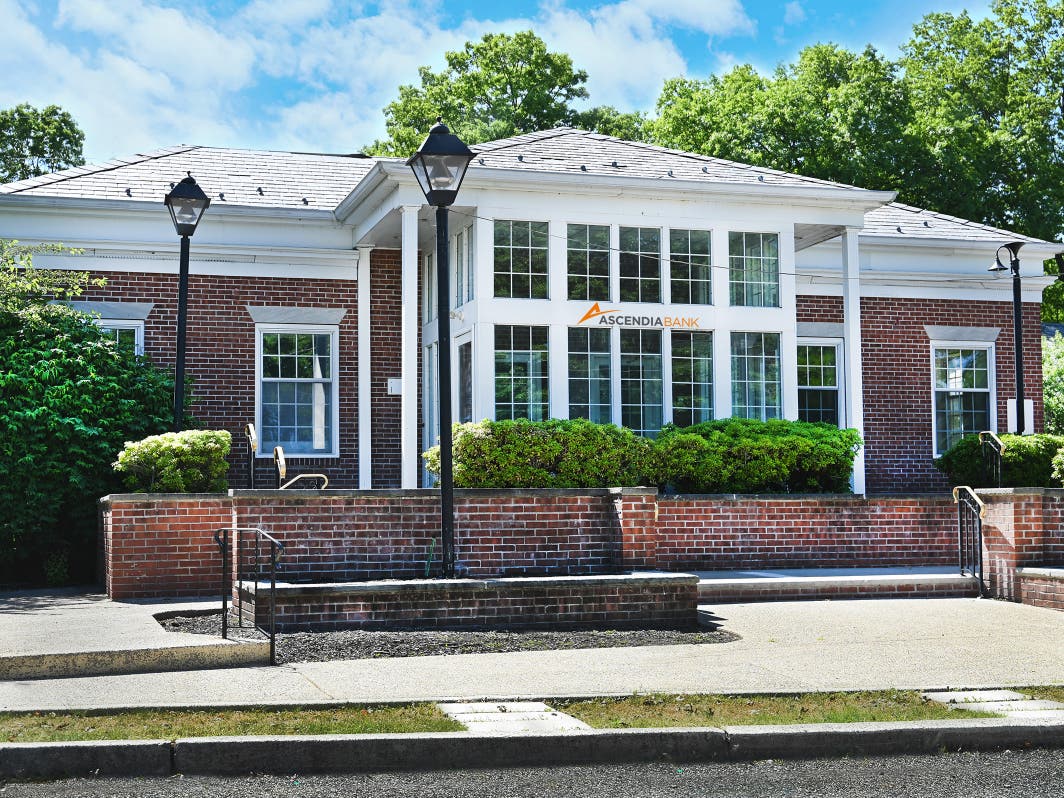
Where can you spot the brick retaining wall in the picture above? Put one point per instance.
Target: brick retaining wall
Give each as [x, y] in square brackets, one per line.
[1042, 587]
[615, 602]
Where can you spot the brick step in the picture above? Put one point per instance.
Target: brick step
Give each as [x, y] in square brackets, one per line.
[799, 584]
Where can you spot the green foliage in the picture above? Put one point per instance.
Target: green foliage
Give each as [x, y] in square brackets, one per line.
[1027, 462]
[497, 87]
[747, 456]
[34, 142]
[544, 454]
[607, 120]
[1053, 383]
[192, 461]
[69, 398]
[732, 456]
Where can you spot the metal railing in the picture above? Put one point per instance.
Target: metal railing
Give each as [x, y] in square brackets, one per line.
[993, 448]
[970, 512]
[250, 566]
[320, 481]
[253, 448]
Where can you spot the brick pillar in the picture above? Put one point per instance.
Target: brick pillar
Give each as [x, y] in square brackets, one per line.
[1013, 536]
[637, 520]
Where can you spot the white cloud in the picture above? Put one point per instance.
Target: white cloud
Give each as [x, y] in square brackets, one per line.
[305, 74]
[793, 13]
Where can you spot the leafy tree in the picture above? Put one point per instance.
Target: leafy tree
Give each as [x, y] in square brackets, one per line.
[34, 142]
[497, 87]
[1053, 383]
[834, 114]
[988, 99]
[69, 399]
[605, 119]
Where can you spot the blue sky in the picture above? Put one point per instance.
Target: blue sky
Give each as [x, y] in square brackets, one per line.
[313, 75]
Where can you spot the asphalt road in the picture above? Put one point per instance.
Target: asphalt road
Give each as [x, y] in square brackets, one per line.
[1030, 774]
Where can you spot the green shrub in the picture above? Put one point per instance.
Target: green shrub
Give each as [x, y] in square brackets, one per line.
[192, 461]
[573, 453]
[1053, 383]
[732, 456]
[69, 398]
[1027, 462]
[748, 456]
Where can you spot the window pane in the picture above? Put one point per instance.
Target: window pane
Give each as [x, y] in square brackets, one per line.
[756, 388]
[962, 394]
[640, 264]
[753, 269]
[521, 376]
[692, 377]
[296, 392]
[690, 255]
[521, 262]
[589, 374]
[641, 381]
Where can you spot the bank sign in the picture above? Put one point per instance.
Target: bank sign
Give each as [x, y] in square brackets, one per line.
[619, 318]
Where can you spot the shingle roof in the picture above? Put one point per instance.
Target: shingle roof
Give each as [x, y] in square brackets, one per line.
[256, 178]
[895, 220]
[572, 151]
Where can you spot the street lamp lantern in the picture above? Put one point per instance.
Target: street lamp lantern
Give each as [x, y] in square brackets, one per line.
[1011, 253]
[440, 165]
[187, 204]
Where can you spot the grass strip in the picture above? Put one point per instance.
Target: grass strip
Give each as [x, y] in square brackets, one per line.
[669, 710]
[162, 724]
[1046, 693]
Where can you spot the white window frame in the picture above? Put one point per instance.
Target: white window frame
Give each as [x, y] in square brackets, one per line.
[125, 324]
[840, 370]
[334, 362]
[991, 367]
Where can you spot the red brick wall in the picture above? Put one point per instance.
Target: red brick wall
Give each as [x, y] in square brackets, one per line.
[1013, 536]
[220, 356]
[568, 603]
[720, 533]
[897, 378]
[1042, 590]
[385, 535]
[157, 546]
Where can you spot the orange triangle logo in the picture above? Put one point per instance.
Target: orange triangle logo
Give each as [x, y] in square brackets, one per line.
[593, 312]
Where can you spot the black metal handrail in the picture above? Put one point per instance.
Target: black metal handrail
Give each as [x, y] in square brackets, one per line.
[257, 568]
[993, 449]
[970, 512]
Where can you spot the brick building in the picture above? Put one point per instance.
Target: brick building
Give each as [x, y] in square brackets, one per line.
[590, 277]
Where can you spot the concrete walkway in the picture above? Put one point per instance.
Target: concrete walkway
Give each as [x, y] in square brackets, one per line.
[796, 646]
[68, 631]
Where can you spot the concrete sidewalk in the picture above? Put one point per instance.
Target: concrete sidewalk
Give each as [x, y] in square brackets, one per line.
[794, 646]
[68, 632]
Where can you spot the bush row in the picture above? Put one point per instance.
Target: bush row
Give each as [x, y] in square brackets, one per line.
[1028, 461]
[192, 461]
[728, 456]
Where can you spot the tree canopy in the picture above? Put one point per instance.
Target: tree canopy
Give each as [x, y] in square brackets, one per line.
[34, 142]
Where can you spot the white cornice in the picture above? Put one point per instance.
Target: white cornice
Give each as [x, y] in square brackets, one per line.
[140, 208]
[921, 284]
[206, 252]
[1044, 250]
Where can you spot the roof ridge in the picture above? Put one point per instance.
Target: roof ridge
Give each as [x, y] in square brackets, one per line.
[95, 169]
[520, 138]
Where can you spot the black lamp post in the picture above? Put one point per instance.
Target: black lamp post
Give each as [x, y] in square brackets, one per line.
[1013, 255]
[439, 166]
[187, 203]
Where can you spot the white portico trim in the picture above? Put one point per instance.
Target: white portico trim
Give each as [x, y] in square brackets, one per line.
[851, 319]
[365, 373]
[408, 432]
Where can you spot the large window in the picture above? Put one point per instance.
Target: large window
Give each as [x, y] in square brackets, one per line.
[641, 381]
[428, 293]
[818, 383]
[692, 377]
[640, 264]
[754, 269]
[689, 267]
[521, 259]
[755, 372]
[962, 380]
[589, 374]
[297, 389]
[465, 382]
[521, 384]
[588, 262]
[463, 272]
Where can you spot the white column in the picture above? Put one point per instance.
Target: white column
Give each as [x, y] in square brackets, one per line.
[409, 450]
[365, 374]
[851, 303]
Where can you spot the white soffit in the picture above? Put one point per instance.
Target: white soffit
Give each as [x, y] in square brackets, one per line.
[940, 333]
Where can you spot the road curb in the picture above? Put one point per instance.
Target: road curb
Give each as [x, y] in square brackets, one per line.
[444, 751]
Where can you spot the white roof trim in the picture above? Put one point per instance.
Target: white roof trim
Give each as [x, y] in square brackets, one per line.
[131, 311]
[939, 333]
[272, 314]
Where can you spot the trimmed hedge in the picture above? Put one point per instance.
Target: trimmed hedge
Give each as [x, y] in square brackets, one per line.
[192, 461]
[739, 455]
[572, 453]
[731, 456]
[1027, 462]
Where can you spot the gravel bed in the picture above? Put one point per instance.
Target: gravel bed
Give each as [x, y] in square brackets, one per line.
[323, 646]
